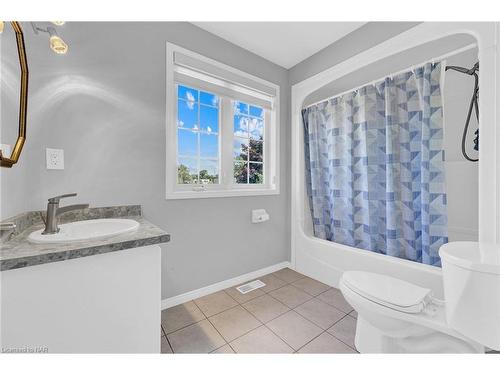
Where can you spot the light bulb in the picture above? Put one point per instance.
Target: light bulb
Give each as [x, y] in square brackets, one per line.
[1, 26]
[58, 23]
[57, 45]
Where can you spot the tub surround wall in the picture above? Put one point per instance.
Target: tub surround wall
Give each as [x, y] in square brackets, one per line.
[104, 104]
[462, 180]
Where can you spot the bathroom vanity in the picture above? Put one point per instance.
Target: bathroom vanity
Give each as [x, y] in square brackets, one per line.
[97, 295]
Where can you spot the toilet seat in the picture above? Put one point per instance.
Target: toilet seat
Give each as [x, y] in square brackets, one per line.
[388, 291]
[395, 316]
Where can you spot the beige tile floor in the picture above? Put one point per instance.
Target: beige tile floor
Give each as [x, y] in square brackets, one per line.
[291, 314]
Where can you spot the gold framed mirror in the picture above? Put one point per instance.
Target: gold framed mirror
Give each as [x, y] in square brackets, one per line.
[5, 161]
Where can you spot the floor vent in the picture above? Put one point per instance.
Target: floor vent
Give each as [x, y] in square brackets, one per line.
[246, 288]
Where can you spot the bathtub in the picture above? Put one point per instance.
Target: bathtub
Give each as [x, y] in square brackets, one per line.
[326, 261]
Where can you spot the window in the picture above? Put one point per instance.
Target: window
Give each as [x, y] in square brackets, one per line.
[221, 129]
[197, 136]
[248, 143]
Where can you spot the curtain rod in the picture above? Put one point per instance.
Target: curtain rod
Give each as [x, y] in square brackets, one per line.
[412, 67]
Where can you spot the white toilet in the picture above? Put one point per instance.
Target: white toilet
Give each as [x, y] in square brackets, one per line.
[395, 316]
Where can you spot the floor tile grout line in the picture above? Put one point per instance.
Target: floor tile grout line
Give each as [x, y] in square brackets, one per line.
[342, 341]
[262, 325]
[229, 342]
[236, 338]
[220, 334]
[169, 344]
[276, 317]
[232, 348]
[166, 338]
[338, 338]
[205, 315]
[314, 338]
[163, 330]
[320, 300]
[189, 325]
[323, 330]
[269, 328]
[307, 343]
[326, 330]
[316, 324]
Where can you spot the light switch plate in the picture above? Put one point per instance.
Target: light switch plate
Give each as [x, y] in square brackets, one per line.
[54, 158]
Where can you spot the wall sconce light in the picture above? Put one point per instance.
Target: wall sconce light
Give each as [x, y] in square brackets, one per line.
[55, 41]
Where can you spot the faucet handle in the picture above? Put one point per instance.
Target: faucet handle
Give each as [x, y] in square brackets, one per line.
[56, 199]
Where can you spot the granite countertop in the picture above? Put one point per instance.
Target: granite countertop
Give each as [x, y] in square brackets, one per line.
[17, 252]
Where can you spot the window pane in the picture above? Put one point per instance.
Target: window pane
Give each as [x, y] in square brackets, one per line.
[187, 114]
[256, 111]
[256, 150]
[209, 99]
[240, 149]
[209, 171]
[240, 108]
[187, 171]
[241, 126]
[240, 173]
[256, 128]
[187, 93]
[209, 146]
[209, 119]
[187, 143]
[256, 175]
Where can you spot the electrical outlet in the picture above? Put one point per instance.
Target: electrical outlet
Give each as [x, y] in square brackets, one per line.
[54, 158]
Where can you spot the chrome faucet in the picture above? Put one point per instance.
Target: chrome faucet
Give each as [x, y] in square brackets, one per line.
[54, 211]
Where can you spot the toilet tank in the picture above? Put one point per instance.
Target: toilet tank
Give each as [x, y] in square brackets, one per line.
[471, 277]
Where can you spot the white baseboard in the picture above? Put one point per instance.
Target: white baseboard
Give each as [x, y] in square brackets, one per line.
[185, 297]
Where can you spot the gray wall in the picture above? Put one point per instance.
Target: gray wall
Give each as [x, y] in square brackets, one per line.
[104, 104]
[361, 39]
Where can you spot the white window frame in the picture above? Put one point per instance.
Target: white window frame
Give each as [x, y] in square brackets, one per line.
[226, 186]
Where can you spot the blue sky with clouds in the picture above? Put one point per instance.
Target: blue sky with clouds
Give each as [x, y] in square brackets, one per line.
[198, 121]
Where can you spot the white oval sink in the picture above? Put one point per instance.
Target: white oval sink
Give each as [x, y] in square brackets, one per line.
[85, 230]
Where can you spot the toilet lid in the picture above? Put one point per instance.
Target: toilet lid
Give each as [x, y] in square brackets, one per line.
[388, 291]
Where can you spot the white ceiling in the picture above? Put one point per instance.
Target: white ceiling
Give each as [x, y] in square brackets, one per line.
[284, 43]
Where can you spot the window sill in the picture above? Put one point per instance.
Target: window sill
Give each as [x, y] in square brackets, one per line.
[188, 194]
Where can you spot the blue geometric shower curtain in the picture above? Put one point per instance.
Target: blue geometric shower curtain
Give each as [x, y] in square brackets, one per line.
[375, 166]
